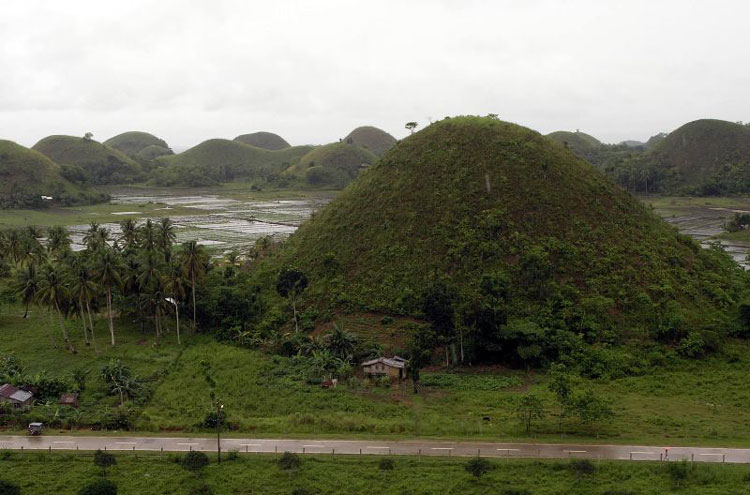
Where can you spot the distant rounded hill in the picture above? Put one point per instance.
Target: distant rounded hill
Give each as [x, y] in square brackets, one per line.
[29, 179]
[100, 163]
[536, 244]
[133, 143]
[265, 140]
[222, 160]
[704, 154]
[333, 165]
[153, 152]
[371, 138]
[578, 142]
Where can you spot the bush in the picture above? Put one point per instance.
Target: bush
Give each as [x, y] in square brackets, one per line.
[289, 461]
[678, 471]
[8, 488]
[478, 467]
[232, 455]
[582, 467]
[195, 461]
[202, 490]
[104, 460]
[99, 487]
[386, 464]
[301, 490]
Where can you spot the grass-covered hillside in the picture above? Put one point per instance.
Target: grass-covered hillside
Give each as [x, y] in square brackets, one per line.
[705, 156]
[89, 160]
[152, 152]
[133, 143]
[265, 140]
[371, 138]
[222, 160]
[27, 175]
[537, 251]
[578, 142]
[332, 165]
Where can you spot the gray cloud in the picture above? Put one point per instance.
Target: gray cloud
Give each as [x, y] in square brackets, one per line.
[311, 71]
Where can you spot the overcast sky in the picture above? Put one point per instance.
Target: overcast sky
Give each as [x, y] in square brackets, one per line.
[311, 71]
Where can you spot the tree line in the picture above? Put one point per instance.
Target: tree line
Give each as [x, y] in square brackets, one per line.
[140, 270]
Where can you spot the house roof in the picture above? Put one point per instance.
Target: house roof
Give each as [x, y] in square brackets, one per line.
[22, 396]
[68, 398]
[394, 362]
[7, 390]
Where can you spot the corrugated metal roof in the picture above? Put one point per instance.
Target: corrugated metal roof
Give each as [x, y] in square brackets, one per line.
[22, 396]
[394, 362]
[7, 390]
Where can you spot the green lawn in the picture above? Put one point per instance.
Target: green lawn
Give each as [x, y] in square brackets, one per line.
[701, 402]
[64, 474]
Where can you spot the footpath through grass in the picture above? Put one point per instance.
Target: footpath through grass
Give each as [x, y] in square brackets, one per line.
[65, 474]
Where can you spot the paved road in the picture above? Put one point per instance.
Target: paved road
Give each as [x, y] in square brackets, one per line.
[379, 447]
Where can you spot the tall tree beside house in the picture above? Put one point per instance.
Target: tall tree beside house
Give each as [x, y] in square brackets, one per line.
[108, 274]
[27, 286]
[437, 305]
[175, 286]
[194, 260]
[290, 283]
[53, 294]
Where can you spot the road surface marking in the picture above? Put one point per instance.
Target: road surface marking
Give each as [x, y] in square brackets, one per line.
[314, 446]
[644, 453]
[60, 441]
[710, 454]
[126, 443]
[251, 444]
[442, 448]
[189, 443]
[575, 451]
[373, 447]
[509, 450]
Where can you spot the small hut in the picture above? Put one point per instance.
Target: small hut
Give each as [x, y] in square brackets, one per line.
[18, 398]
[69, 400]
[394, 367]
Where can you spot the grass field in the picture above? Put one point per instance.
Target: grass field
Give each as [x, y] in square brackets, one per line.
[65, 474]
[685, 403]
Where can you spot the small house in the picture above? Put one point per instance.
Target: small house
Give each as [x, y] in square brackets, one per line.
[394, 367]
[19, 399]
[69, 400]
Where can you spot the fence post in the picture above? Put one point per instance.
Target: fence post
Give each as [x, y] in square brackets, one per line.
[723, 457]
[420, 452]
[303, 450]
[389, 451]
[360, 451]
[276, 449]
[479, 452]
[333, 452]
[692, 457]
[631, 456]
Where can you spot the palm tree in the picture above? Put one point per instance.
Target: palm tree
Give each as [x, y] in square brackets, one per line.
[165, 235]
[148, 236]
[28, 285]
[14, 244]
[83, 288]
[176, 287]
[90, 237]
[108, 274]
[129, 234]
[58, 241]
[53, 294]
[194, 261]
[341, 343]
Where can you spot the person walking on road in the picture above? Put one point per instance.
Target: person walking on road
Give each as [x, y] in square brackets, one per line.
[666, 453]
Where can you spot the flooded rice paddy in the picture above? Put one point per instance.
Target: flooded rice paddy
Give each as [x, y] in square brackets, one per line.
[703, 223]
[221, 223]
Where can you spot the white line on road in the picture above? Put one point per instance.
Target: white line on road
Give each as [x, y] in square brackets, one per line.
[251, 444]
[189, 443]
[126, 443]
[314, 446]
[442, 448]
[60, 441]
[374, 447]
[510, 450]
[574, 451]
[644, 453]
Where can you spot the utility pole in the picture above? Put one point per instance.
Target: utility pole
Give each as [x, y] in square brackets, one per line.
[219, 410]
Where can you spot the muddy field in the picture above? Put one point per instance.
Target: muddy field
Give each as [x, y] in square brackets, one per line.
[219, 222]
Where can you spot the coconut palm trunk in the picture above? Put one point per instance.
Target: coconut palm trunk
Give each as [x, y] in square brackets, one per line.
[192, 278]
[68, 343]
[109, 315]
[91, 324]
[82, 314]
[177, 319]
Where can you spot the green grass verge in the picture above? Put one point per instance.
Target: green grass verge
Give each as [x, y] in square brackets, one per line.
[260, 474]
[684, 403]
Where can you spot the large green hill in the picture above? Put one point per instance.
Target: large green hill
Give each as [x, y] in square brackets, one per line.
[132, 143]
[27, 175]
[705, 156]
[222, 160]
[541, 249]
[265, 140]
[375, 140]
[99, 163]
[332, 165]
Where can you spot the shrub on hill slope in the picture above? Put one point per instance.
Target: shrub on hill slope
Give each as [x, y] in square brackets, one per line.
[580, 143]
[132, 143]
[541, 252]
[27, 175]
[265, 140]
[100, 163]
[222, 160]
[332, 165]
[371, 138]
